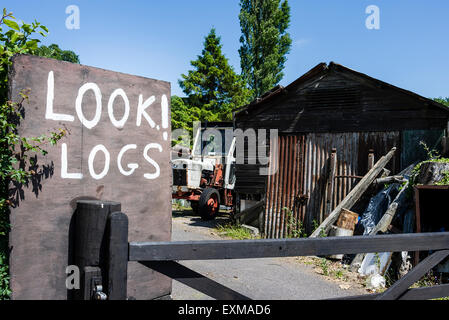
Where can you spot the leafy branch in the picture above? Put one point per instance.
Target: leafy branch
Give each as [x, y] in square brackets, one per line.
[16, 162]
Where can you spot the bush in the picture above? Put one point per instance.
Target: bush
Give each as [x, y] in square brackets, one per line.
[15, 150]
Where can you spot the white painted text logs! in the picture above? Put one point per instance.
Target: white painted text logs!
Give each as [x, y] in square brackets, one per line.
[142, 118]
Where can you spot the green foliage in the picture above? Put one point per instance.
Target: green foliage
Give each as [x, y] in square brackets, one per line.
[212, 88]
[15, 39]
[264, 42]
[15, 150]
[445, 180]
[432, 156]
[53, 51]
[236, 232]
[444, 101]
[339, 274]
[295, 228]
[316, 225]
[324, 266]
[184, 115]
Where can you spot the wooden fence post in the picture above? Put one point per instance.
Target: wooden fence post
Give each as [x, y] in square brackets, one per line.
[90, 224]
[117, 260]
[331, 182]
[370, 159]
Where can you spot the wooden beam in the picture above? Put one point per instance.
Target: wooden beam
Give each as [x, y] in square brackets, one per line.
[400, 286]
[385, 221]
[194, 280]
[117, 256]
[391, 179]
[370, 159]
[265, 248]
[90, 224]
[355, 193]
[331, 181]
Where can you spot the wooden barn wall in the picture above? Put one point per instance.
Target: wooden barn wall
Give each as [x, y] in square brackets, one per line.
[248, 180]
[413, 151]
[341, 103]
[300, 183]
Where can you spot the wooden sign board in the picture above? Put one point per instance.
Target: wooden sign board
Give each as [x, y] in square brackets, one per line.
[117, 149]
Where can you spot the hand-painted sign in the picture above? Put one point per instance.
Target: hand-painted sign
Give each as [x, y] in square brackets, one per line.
[117, 148]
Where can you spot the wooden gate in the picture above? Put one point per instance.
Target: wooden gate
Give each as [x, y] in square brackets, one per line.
[104, 260]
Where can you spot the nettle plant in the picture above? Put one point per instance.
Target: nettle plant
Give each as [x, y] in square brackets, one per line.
[17, 153]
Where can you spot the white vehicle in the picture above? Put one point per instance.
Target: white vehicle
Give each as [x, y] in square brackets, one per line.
[207, 176]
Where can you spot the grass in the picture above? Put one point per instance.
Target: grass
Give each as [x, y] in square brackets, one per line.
[335, 271]
[324, 267]
[178, 207]
[339, 274]
[236, 232]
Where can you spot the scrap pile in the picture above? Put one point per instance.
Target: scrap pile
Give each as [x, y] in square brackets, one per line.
[390, 209]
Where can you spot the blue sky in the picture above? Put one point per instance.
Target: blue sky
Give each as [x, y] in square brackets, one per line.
[158, 39]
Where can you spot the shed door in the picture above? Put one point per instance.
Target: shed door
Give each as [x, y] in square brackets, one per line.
[284, 189]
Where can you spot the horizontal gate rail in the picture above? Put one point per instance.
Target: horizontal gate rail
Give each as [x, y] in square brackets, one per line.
[103, 253]
[267, 248]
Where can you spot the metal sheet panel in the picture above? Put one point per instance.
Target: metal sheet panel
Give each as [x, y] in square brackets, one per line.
[303, 174]
[282, 188]
[319, 147]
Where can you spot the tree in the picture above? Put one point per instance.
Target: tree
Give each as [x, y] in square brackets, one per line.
[182, 116]
[53, 51]
[213, 89]
[442, 100]
[264, 42]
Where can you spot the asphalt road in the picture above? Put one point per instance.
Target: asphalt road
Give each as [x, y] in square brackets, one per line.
[262, 279]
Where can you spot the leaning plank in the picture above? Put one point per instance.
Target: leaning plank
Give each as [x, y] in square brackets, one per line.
[391, 179]
[400, 286]
[382, 225]
[250, 214]
[195, 280]
[266, 248]
[355, 193]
